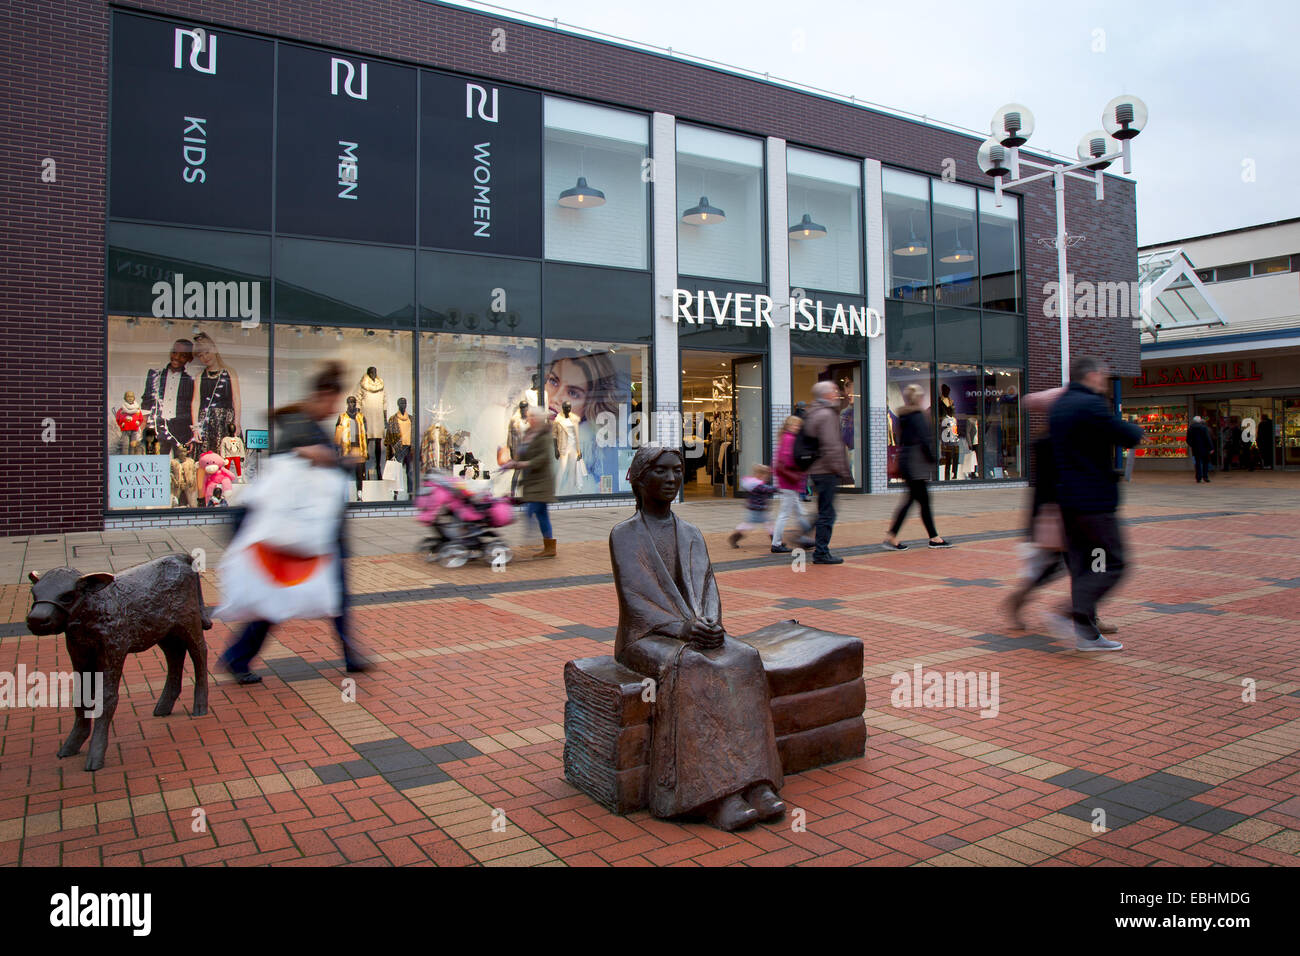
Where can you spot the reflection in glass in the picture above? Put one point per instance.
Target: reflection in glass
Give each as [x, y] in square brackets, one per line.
[725, 174]
[907, 235]
[189, 393]
[898, 375]
[596, 194]
[301, 349]
[826, 192]
[956, 269]
[999, 257]
[471, 389]
[604, 389]
[1003, 455]
[957, 412]
[335, 283]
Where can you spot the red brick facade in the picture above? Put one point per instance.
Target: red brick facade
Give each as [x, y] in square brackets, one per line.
[52, 241]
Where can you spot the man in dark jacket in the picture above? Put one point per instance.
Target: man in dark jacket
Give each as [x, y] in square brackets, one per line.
[831, 469]
[1084, 432]
[1200, 445]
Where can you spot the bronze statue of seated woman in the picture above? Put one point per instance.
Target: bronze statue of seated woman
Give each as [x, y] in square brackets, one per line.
[713, 750]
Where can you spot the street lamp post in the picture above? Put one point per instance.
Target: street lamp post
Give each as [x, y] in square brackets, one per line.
[999, 156]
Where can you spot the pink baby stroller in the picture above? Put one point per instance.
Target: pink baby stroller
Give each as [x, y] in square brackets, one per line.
[462, 523]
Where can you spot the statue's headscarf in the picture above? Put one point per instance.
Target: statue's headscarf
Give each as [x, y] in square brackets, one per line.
[643, 461]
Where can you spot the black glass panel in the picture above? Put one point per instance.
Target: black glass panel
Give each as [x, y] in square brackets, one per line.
[188, 273]
[191, 125]
[909, 331]
[480, 294]
[810, 341]
[1004, 338]
[609, 304]
[480, 167]
[707, 332]
[346, 147]
[957, 335]
[337, 283]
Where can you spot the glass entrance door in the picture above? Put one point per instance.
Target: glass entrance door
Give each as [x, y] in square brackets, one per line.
[1290, 432]
[724, 420]
[750, 437]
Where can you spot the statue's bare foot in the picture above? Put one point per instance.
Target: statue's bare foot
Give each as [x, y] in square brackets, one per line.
[765, 802]
[732, 813]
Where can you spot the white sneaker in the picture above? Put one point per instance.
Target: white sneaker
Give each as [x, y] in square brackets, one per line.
[1097, 643]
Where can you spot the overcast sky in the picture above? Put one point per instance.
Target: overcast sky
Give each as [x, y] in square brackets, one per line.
[1222, 80]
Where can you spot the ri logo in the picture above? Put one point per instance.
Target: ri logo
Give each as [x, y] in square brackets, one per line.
[475, 92]
[340, 68]
[199, 42]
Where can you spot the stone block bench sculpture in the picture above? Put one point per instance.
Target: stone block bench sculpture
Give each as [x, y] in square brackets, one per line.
[817, 697]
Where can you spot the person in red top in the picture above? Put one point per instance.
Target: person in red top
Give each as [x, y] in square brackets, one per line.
[130, 419]
[790, 482]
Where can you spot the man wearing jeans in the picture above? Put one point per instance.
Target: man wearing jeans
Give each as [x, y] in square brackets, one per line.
[1085, 431]
[831, 469]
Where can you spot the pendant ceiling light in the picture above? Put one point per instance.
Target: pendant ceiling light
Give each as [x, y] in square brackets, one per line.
[582, 196]
[959, 253]
[703, 214]
[913, 246]
[807, 229]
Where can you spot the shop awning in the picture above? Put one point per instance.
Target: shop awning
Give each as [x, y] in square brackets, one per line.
[1171, 296]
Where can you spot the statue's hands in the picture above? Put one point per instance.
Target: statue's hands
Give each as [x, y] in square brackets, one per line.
[705, 635]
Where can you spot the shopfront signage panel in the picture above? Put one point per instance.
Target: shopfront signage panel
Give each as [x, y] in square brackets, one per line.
[139, 481]
[746, 310]
[480, 167]
[346, 151]
[191, 131]
[1206, 373]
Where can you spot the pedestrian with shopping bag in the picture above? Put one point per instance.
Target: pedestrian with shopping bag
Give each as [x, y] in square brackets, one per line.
[288, 556]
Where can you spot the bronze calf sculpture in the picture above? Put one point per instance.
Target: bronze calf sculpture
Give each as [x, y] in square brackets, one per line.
[106, 617]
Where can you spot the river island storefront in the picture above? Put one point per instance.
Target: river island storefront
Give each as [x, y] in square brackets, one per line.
[467, 247]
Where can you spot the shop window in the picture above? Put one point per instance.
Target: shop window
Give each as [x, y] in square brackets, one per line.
[337, 283]
[1269, 266]
[481, 295]
[596, 191]
[907, 235]
[588, 302]
[178, 389]
[1003, 338]
[960, 434]
[805, 372]
[720, 228]
[824, 199]
[471, 387]
[909, 331]
[956, 259]
[1004, 450]
[999, 252]
[957, 335]
[606, 390]
[1239, 271]
[188, 274]
[380, 430]
[898, 375]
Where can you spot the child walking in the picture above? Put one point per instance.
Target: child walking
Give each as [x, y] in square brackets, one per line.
[758, 485]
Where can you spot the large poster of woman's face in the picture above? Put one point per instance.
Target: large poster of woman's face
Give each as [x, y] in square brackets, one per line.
[594, 395]
[176, 395]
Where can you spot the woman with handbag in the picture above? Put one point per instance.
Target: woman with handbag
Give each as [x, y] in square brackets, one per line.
[536, 459]
[916, 462]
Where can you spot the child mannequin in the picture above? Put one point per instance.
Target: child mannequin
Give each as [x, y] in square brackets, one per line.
[232, 449]
[130, 420]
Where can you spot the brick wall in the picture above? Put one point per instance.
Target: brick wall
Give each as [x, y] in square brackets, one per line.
[52, 240]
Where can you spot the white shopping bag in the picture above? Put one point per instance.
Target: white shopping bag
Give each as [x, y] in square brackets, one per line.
[294, 506]
[283, 562]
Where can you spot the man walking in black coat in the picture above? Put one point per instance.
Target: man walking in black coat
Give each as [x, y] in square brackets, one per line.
[1200, 445]
[1084, 432]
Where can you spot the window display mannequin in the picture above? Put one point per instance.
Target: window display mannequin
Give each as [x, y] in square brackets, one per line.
[949, 438]
[374, 408]
[184, 473]
[350, 437]
[970, 464]
[515, 431]
[397, 439]
[570, 471]
[232, 449]
[435, 449]
[218, 398]
[130, 421]
[168, 398]
[152, 443]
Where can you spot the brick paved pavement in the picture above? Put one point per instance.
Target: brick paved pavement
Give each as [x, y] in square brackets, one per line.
[461, 724]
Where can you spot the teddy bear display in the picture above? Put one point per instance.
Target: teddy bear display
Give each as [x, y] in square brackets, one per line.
[213, 474]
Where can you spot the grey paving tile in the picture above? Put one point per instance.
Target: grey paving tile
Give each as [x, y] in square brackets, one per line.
[1217, 820]
[331, 773]
[422, 778]
[1172, 783]
[360, 768]
[1069, 778]
[1141, 798]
